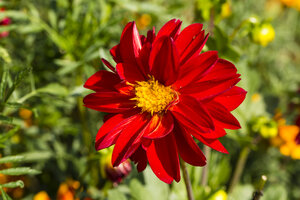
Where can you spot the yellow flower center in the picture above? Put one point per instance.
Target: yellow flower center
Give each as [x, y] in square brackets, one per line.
[153, 97]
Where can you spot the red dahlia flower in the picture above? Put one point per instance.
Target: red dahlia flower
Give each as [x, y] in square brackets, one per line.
[162, 94]
[4, 22]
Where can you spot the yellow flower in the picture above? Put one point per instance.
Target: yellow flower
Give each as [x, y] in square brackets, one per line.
[219, 195]
[42, 195]
[226, 10]
[263, 34]
[255, 97]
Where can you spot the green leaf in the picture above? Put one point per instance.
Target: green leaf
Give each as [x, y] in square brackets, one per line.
[15, 184]
[36, 156]
[241, 192]
[55, 89]
[116, 195]
[6, 119]
[3, 194]
[11, 159]
[4, 55]
[154, 184]
[19, 171]
[138, 191]
[275, 192]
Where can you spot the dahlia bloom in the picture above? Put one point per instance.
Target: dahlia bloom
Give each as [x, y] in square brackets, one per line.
[4, 22]
[162, 95]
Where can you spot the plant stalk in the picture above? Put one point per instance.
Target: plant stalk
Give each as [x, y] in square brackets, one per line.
[204, 176]
[240, 165]
[187, 181]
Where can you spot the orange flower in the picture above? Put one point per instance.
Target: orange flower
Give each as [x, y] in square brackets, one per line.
[66, 190]
[288, 133]
[42, 195]
[287, 141]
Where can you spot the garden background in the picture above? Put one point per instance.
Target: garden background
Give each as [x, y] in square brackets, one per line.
[48, 49]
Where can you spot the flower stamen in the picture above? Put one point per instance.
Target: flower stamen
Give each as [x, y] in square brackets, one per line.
[153, 97]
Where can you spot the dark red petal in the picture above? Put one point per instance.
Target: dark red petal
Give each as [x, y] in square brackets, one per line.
[194, 112]
[103, 81]
[232, 98]
[129, 139]
[130, 44]
[159, 126]
[222, 115]
[151, 35]
[105, 62]
[110, 130]
[143, 59]
[139, 157]
[129, 72]
[170, 29]
[190, 42]
[222, 69]
[111, 102]
[163, 158]
[196, 68]
[164, 60]
[196, 91]
[214, 144]
[188, 149]
[115, 53]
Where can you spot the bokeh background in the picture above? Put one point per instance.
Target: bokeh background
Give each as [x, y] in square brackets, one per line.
[48, 49]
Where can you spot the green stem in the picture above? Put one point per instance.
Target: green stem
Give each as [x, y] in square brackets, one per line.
[204, 176]
[87, 138]
[259, 192]
[240, 165]
[187, 180]
[235, 31]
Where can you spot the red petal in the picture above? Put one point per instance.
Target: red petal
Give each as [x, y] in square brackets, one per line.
[222, 69]
[193, 112]
[115, 52]
[164, 60]
[129, 139]
[188, 149]
[196, 68]
[110, 130]
[105, 62]
[207, 93]
[139, 157]
[217, 133]
[232, 98]
[190, 42]
[124, 88]
[112, 102]
[129, 72]
[159, 126]
[170, 29]
[103, 81]
[222, 115]
[163, 159]
[130, 43]
[214, 144]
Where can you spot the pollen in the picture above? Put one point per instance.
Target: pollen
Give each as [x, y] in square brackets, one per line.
[153, 97]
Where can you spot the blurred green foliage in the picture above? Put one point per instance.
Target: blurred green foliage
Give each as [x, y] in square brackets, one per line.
[54, 46]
